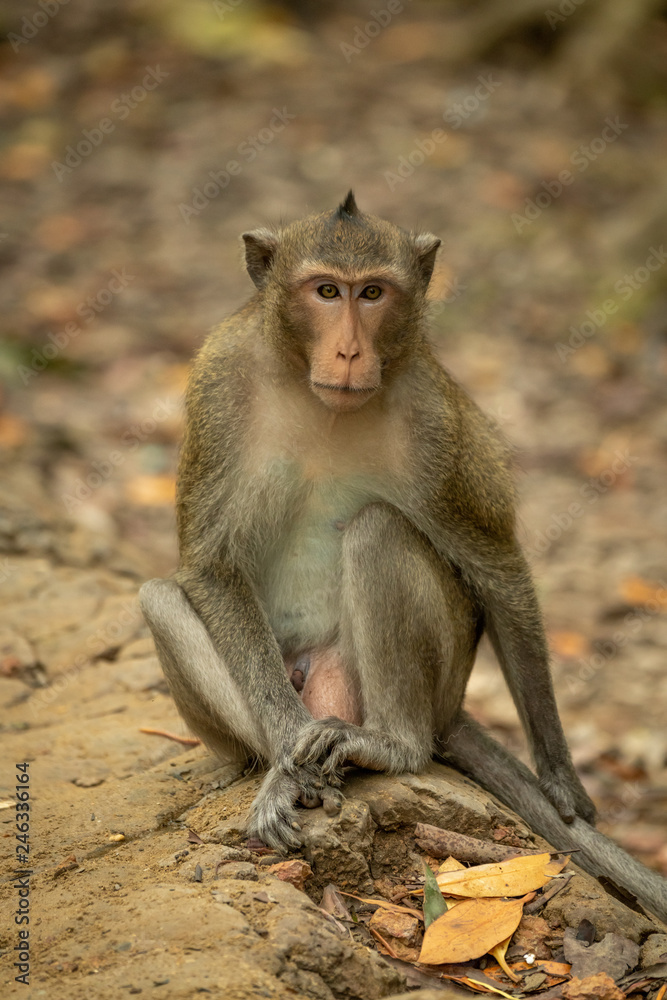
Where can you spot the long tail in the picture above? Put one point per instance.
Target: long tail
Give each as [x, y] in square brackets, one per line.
[476, 753]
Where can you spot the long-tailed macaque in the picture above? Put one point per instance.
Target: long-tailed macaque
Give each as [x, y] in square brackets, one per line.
[347, 533]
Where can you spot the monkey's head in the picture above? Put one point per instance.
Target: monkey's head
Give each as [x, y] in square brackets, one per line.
[343, 295]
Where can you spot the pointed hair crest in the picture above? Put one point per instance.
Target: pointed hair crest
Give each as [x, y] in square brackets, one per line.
[348, 208]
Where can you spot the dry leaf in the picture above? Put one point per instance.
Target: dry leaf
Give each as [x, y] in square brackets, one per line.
[151, 491]
[558, 969]
[635, 591]
[333, 904]
[451, 865]
[615, 954]
[385, 904]
[499, 954]
[502, 878]
[569, 645]
[13, 431]
[473, 983]
[470, 930]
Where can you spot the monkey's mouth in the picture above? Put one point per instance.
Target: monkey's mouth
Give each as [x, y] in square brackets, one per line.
[343, 397]
[345, 388]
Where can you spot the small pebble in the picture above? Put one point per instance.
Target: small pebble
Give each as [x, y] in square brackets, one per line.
[238, 869]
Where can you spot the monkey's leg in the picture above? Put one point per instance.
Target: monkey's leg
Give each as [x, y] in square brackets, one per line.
[213, 706]
[409, 632]
[205, 693]
[475, 752]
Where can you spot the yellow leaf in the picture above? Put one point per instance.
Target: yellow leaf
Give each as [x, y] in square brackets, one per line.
[499, 954]
[569, 645]
[503, 878]
[490, 989]
[450, 864]
[385, 904]
[470, 930]
[636, 591]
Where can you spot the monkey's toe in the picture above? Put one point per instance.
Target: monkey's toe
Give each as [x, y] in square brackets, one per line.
[568, 796]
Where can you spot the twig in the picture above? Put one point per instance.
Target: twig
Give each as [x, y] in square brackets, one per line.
[543, 898]
[443, 843]
[376, 934]
[188, 741]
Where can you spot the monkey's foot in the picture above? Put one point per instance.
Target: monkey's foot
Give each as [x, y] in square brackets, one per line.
[333, 743]
[273, 818]
[566, 793]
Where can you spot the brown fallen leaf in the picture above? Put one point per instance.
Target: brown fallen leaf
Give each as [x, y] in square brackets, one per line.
[385, 904]
[555, 971]
[569, 645]
[193, 837]
[636, 590]
[151, 491]
[615, 954]
[597, 987]
[470, 930]
[502, 878]
[13, 431]
[332, 903]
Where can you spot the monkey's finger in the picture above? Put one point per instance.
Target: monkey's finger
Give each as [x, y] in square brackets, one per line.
[311, 800]
[317, 741]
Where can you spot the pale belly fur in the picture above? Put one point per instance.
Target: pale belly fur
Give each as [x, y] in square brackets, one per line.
[299, 579]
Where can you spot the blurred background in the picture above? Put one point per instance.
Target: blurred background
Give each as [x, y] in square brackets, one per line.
[141, 137]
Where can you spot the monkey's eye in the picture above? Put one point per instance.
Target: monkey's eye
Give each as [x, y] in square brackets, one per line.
[328, 291]
[371, 292]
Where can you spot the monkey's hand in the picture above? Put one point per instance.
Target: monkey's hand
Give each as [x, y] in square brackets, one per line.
[566, 793]
[273, 818]
[333, 743]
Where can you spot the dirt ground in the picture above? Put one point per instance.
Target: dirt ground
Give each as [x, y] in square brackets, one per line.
[548, 304]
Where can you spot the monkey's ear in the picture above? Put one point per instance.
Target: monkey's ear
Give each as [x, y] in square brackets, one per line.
[426, 246]
[260, 249]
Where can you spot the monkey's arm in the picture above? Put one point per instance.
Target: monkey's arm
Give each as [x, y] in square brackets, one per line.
[474, 529]
[230, 623]
[514, 626]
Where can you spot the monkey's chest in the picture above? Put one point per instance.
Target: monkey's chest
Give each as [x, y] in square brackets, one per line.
[300, 571]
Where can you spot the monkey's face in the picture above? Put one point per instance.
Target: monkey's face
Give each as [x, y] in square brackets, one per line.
[342, 296]
[343, 317]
